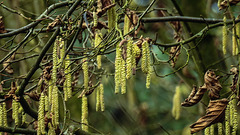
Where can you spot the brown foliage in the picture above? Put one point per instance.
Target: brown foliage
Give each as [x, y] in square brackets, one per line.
[224, 4]
[215, 113]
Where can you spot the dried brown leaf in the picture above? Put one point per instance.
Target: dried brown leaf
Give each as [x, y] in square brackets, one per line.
[213, 85]
[214, 114]
[2, 27]
[195, 96]
[224, 4]
[51, 25]
[6, 64]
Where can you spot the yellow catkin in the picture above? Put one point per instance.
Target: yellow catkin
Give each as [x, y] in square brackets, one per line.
[69, 77]
[129, 62]
[227, 123]
[148, 78]
[97, 98]
[117, 69]
[144, 57]
[234, 116]
[234, 43]
[1, 115]
[98, 40]
[123, 77]
[111, 13]
[51, 130]
[54, 94]
[148, 66]
[23, 115]
[15, 107]
[5, 115]
[224, 36]
[41, 126]
[101, 89]
[207, 131]
[85, 73]
[126, 24]
[62, 51]
[220, 129]
[67, 83]
[212, 129]
[238, 35]
[95, 19]
[84, 113]
[50, 87]
[176, 109]
[46, 103]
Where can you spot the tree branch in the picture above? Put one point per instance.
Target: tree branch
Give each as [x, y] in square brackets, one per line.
[17, 130]
[39, 19]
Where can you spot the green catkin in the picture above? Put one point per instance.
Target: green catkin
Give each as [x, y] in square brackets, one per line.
[123, 77]
[176, 109]
[234, 116]
[67, 83]
[51, 130]
[144, 57]
[212, 129]
[55, 105]
[234, 43]
[111, 13]
[149, 68]
[4, 115]
[68, 77]
[224, 37]
[41, 107]
[46, 103]
[62, 51]
[98, 99]
[98, 40]
[101, 89]
[227, 118]
[220, 129]
[84, 113]
[129, 62]
[50, 88]
[23, 115]
[148, 78]
[231, 111]
[15, 107]
[1, 115]
[238, 35]
[207, 131]
[117, 69]
[85, 73]
[126, 24]
[95, 19]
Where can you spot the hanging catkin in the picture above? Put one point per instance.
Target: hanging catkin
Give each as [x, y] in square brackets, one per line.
[98, 40]
[224, 36]
[126, 24]
[176, 109]
[220, 129]
[101, 89]
[111, 13]
[234, 43]
[1, 115]
[68, 81]
[144, 57]
[97, 98]
[15, 107]
[4, 115]
[227, 122]
[54, 94]
[41, 108]
[117, 69]
[123, 76]
[84, 113]
[207, 131]
[129, 63]
[85, 73]
[212, 129]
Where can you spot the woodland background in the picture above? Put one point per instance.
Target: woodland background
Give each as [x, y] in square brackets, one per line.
[140, 110]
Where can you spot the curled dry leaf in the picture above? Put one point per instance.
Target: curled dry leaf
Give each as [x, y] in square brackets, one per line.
[224, 4]
[213, 85]
[6, 64]
[54, 23]
[214, 114]
[2, 27]
[195, 96]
